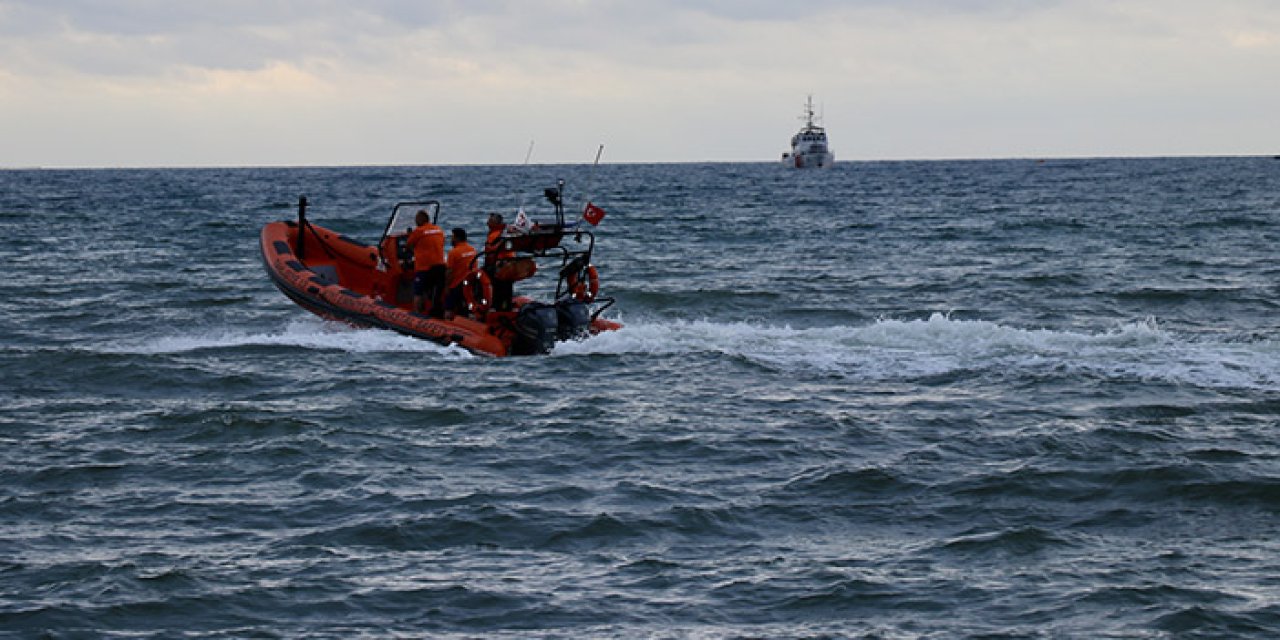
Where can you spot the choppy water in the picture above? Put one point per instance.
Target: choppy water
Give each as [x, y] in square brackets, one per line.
[893, 400]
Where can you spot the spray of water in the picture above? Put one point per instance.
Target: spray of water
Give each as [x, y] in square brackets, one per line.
[904, 349]
[884, 350]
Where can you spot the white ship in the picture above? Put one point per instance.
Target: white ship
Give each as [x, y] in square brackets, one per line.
[809, 148]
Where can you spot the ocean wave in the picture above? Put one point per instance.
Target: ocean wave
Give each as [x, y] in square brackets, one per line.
[1013, 541]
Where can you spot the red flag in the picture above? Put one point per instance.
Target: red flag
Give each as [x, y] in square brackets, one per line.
[593, 214]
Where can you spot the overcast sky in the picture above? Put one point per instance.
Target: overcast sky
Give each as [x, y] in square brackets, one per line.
[343, 82]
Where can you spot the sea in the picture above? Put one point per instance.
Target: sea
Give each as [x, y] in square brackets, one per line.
[940, 399]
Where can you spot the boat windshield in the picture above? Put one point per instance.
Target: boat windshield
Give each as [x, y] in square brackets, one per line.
[403, 214]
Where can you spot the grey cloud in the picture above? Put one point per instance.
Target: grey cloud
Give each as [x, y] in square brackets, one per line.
[168, 17]
[134, 17]
[138, 37]
[799, 11]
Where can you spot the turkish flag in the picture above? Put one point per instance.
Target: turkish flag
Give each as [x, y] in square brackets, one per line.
[593, 214]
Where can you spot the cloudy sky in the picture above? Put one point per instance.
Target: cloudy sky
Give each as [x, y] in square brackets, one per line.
[342, 82]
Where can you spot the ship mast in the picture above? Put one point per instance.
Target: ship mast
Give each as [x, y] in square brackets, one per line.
[809, 115]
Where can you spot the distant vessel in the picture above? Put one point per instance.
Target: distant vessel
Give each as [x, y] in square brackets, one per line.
[809, 149]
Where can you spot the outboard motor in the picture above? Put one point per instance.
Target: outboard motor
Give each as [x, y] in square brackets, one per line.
[574, 318]
[536, 325]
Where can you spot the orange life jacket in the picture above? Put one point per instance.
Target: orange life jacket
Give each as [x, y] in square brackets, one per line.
[459, 263]
[495, 247]
[427, 242]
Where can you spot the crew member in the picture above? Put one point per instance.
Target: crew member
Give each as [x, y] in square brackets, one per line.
[427, 242]
[497, 251]
[461, 261]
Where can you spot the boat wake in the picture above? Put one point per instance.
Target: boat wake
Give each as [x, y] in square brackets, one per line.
[885, 350]
[941, 346]
[304, 333]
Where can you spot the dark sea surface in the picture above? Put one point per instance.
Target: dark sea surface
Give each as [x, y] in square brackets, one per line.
[983, 399]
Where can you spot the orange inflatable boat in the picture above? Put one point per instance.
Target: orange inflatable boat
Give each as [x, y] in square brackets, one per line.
[339, 278]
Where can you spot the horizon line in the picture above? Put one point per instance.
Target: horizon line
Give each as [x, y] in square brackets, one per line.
[388, 165]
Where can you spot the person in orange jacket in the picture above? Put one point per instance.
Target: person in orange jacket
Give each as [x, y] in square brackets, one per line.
[460, 262]
[497, 250]
[427, 242]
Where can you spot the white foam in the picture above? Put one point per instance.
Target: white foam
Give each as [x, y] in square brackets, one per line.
[884, 350]
[905, 349]
[305, 333]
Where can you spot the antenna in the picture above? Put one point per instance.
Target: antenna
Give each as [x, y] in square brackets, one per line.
[591, 177]
[528, 154]
[591, 180]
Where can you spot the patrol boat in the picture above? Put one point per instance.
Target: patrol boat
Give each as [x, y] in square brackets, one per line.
[809, 149]
[340, 278]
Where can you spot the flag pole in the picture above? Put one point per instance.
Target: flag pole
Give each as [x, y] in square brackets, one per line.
[527, 155]
[591, 181]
